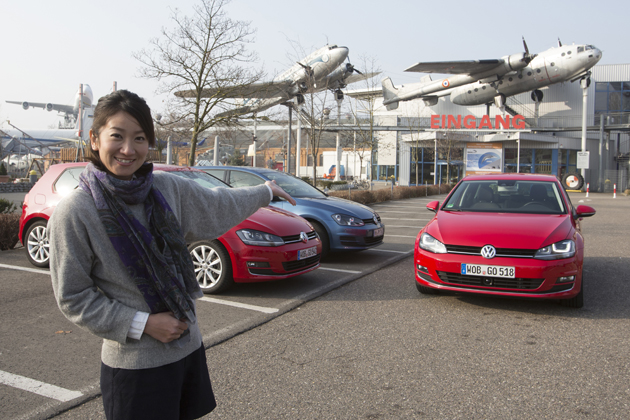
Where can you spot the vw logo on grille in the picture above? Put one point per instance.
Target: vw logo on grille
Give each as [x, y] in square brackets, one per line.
[303, 237]
[488, 252]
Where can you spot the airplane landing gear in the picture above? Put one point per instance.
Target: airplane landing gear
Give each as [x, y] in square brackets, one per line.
[537, 95]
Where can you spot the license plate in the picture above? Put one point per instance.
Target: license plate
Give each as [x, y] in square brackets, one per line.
[488, 270]
[378, 232]
[306, 253]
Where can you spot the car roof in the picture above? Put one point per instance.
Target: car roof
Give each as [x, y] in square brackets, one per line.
[511, 176]
[239, 168]
[156, 166]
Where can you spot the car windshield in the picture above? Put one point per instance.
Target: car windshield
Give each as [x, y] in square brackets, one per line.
[295, 187]
[507, 196]
[201, 178]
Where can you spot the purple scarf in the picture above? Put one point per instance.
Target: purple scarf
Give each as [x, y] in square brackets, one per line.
[157, 258]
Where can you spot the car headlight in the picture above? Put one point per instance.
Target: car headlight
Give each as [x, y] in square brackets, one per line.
[258, 238]
[345, 220]
[429, 243]
[559, 250]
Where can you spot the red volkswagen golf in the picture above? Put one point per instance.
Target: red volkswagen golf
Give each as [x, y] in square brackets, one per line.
[504, 235]
[271, 244]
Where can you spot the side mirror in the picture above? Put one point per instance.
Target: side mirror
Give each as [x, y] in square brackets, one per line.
[433, 206]
[584, 211]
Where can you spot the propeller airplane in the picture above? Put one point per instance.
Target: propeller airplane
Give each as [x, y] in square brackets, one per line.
[477, 82]
[321, 70]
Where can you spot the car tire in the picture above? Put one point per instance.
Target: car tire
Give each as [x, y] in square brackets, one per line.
[573, 181]
[323, 237]
[426, 290]
[213, 267]
[36, 244]
[576, 301]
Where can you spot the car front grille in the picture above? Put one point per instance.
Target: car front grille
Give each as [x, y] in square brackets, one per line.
[501, 252]
[373, 240]
[371, 221]
[490, 282]
[353, 241]
[301, 264]
[296, 238]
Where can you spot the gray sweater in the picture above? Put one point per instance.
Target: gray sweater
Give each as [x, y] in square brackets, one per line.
[91, 284]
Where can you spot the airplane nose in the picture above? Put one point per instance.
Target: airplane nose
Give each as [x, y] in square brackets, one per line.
[340, 53]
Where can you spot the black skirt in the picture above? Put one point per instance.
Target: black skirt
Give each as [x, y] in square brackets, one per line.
[179, 390]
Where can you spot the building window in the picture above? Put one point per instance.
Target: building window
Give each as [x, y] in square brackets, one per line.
[612, 99]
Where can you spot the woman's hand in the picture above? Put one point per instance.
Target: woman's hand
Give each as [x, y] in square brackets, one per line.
[165, 327]
[279, 192]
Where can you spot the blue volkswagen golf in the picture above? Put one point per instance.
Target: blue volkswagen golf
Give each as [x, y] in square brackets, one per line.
[342, 225]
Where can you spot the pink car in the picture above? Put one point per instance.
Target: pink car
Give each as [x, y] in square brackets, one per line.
[512, 235]
[271, 244]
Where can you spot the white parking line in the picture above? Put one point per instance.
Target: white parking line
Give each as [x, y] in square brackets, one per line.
[339, 270]
[389, 250]
[241, 305]
[400, 218]
[400, 236]
[37, 387]
[32, 270]
[408, 227]
[392, 211]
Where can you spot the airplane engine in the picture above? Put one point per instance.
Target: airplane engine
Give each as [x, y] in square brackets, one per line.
[517, 61]
[25, 105]
[49, 107]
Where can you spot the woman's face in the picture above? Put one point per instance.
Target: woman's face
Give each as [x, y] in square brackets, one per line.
[122, 145]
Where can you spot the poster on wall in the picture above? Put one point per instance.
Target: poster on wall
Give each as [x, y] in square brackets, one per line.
[483, 158]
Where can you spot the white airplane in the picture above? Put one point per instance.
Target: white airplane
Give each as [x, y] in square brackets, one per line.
[70, 112]
[478, 82]
[320, 70]
[36, 141]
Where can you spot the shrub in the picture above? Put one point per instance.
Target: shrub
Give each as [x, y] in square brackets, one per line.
[7, 206]
[9, 228]
[3, 169]
[386, 194]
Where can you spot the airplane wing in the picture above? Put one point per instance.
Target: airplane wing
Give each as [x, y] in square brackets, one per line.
[258, 106]
[68, 109]
[255, 90]
[455, 67]
[356, 77]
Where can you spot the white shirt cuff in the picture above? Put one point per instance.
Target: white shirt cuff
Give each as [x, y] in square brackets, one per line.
[137, 325]
[270, 192]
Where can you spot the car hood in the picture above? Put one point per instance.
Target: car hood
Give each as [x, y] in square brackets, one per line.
[276, 221]
[502, 230]
[338, 205]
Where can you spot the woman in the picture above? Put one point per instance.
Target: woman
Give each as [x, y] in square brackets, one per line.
[121, 268]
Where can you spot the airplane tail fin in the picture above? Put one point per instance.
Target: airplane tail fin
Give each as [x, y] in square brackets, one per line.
[389, 94]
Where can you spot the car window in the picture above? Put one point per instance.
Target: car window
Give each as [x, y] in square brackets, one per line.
[219, 173]
[507, 196]
[244, 179]
[201, 178]
[68, 180]
[294, 186]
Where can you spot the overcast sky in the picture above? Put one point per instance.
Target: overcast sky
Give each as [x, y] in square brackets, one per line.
[50, 47]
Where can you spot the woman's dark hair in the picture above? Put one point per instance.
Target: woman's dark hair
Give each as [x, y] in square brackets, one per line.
[112, 104]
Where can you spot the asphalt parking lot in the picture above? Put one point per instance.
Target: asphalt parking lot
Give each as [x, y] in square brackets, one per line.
[354, 339]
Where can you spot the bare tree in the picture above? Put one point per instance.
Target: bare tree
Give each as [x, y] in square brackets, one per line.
[363, 112]
[206, 50]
